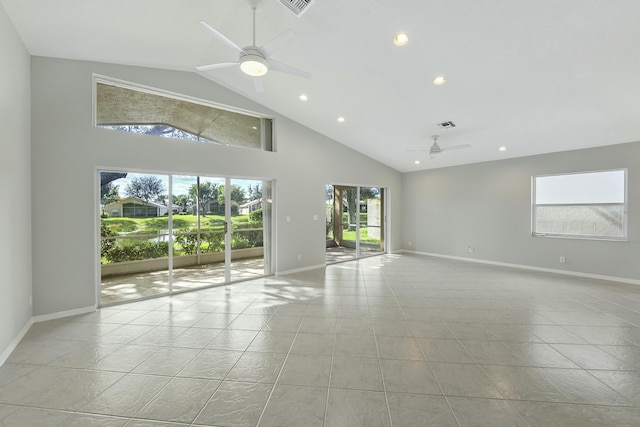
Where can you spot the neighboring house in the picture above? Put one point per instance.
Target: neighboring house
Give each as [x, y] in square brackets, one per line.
[131, 207]
[247, 208]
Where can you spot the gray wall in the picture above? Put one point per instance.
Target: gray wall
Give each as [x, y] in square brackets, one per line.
[15, 185]
[488, 206]
[67, 149]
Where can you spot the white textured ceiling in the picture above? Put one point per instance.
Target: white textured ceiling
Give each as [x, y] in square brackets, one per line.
[534, 76]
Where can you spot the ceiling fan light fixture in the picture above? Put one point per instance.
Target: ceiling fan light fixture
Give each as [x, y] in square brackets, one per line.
[253, 63]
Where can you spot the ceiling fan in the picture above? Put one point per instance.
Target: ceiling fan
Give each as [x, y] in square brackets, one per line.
[255, 61]
[436, 149]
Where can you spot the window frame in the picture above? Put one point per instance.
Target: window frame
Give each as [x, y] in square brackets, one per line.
[625, 216]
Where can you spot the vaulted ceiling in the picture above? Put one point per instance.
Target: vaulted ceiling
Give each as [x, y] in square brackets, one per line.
[532, 76]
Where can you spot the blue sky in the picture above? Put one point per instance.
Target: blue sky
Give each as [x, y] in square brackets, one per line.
[592, 187]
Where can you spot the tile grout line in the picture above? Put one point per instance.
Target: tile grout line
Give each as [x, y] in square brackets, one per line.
[375, 340]
[333, 352]
[504, 399]
[236, 362]
[172, 378]
[426, 361]
[284, 362]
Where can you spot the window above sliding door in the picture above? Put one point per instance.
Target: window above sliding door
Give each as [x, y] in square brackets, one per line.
[128, 108]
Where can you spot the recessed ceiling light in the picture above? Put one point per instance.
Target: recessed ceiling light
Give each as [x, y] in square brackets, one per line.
[502, 148]
[401, 39]
[417, 162]
[340, 119]
[255, 127]
[303, 97]
[440, 80]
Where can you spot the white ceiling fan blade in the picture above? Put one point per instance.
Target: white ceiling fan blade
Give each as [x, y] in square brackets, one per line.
[257, 84]
[276, 43]
[417, 151]
[279, 66]
[216, 66]
[455, 147]
[222, 37]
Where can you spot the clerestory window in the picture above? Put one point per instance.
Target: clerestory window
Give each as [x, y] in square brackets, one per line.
[133, 109]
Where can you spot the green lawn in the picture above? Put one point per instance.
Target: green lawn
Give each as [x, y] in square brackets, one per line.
[351, 235]
[130, 246]
[364, 236]
[180, 222]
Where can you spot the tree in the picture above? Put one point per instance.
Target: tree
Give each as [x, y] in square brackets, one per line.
[237, 195]
[208, 193]
[145, 188]
[349, 199]
[107, 177]
[329, 192]
[255, 193]
[367, 193]
[108, 193]
[183, 201]
[157, 130]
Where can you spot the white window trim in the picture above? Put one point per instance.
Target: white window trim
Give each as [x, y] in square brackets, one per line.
[625, 230]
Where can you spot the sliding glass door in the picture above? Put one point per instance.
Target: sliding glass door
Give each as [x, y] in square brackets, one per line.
[199, 232]
[371, 226]
[249, 235]
[134, 236]
[161, 234]
[355, 222]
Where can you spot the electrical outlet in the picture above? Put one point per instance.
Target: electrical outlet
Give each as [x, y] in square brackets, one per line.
[299, 257]
[470, 249]
[563, 260]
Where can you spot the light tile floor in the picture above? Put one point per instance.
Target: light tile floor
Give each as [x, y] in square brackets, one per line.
[126, 287]
[342, 253]
[395, 340]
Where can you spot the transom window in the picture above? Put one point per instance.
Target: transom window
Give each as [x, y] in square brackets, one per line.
[590, 205]
[133, 109]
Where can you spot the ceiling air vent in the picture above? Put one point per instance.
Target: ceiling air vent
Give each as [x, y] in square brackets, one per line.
[447, 125]
[297, 6]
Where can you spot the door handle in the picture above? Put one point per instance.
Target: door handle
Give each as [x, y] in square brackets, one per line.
[226, 227]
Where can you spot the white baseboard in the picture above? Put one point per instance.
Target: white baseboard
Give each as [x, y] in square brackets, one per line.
[529, 267]
[7, 351]
[61, 314]
[299, 270]
[35, 319]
